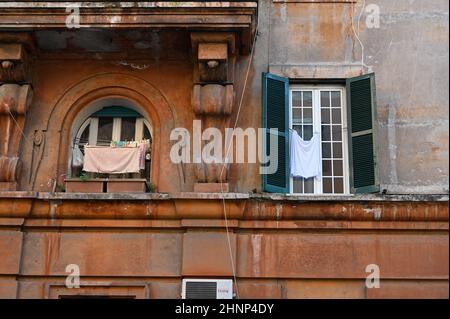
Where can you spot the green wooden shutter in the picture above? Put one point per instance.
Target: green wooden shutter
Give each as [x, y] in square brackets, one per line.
[276, 116]
[362, 123]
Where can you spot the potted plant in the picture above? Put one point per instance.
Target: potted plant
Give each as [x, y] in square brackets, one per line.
[84, 184]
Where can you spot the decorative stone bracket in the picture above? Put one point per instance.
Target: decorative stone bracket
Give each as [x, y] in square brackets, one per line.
[13, 63]
[14, 102]
[213, 97]
[15, 98]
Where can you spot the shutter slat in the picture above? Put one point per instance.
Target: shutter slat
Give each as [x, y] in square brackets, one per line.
[362, 147]
[363, 163]
[279, 178]
[276, 116]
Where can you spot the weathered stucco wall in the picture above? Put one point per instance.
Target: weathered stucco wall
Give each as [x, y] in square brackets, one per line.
[299, 39]
[283, 247]
[409, 55]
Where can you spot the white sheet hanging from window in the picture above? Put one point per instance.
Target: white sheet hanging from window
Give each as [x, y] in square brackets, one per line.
[305, 156]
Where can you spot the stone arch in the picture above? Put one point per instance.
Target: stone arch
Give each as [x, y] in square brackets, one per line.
[148, 100]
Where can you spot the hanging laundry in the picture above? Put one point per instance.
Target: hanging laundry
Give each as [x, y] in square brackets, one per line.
[305, 156]
[77, 157]
[143, 148]
[111, 160]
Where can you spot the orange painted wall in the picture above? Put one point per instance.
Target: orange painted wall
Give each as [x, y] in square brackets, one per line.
[147, 249]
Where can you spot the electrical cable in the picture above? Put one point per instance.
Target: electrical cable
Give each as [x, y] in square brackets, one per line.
[357, 33]
[227, 156]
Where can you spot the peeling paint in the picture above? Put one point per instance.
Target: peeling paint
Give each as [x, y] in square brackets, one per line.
[392, 142]
[279, 212]
[133, 65]
[375, 211]
[256, 253]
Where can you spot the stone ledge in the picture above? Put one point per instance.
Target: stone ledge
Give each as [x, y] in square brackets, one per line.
[130, 4]
[18, 194]
[229, 196]
[239, 206]
[243, 225]
[41, 15]
[240, 17]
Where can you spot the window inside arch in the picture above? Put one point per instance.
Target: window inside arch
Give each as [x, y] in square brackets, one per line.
[113, 124]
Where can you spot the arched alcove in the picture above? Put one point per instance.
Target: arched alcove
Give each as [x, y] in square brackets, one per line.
[105, 121]
[99, 91]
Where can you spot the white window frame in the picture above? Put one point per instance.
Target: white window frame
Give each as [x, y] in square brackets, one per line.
[116, 132]
[316, 89]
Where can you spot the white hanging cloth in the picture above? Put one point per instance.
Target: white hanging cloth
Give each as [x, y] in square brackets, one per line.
[77, 157]
[305, 156]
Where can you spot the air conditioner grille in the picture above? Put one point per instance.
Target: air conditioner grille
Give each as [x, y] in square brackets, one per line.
[201, 290]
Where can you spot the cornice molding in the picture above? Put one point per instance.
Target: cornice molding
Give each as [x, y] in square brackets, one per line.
[217, 16]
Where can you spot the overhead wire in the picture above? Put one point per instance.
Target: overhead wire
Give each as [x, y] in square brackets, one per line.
[233, 266]
[363, 65]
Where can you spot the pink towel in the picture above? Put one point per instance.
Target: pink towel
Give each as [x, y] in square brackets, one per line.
[143, 148]
[112, 160]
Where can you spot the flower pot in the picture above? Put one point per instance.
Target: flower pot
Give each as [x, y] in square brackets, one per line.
[76, 185]
[126, 185]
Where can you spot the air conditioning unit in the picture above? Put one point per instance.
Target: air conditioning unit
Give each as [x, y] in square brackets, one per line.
[207, 289]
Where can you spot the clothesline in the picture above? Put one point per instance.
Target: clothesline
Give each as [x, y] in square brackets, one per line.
[119, 144]
[85, 143]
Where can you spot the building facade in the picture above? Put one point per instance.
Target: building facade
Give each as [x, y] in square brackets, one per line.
[367, 79]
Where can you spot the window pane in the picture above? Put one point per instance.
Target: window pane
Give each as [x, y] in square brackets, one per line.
[327, 185]
[84, 138]
[297, 115]
[338, 185]
[337, 133]
[335, 99]
[337, 150]
[128, 129]
[307, 98]
[146, 133]
[307, 132]
[336, 114]
[307, 115]
[326, 168]
[337, 168]
[296, 98]
[298, 185]
[309, 185]
[325, 116]
[105, 128]
[325, 99]
[326, 150]
[326, 136]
